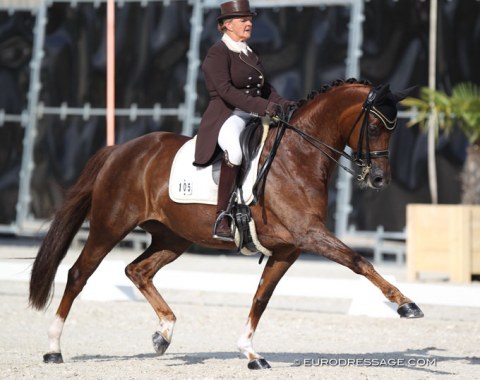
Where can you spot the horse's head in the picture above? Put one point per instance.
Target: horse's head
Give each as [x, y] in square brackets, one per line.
[350, 113]
[370, 125]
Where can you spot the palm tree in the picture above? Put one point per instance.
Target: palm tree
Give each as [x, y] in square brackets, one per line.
[461, 109]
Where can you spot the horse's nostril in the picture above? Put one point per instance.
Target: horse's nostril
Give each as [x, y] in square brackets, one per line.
[378, 182]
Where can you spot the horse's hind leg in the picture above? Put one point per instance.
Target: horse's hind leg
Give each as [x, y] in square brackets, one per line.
[94, 251]
[165, 248]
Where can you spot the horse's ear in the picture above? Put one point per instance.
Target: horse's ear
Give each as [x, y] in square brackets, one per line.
[397, 96]
[382, 90]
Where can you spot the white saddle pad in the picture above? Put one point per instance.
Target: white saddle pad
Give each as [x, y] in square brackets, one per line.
[191, 184]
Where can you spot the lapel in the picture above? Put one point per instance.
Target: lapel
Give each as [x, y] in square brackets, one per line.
[251, 59]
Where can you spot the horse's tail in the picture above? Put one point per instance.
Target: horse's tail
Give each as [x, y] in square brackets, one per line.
[66, 222]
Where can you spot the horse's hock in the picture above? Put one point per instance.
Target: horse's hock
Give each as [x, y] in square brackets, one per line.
[443, 239]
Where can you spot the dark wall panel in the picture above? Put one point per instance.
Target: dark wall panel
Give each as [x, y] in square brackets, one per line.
[302, 50]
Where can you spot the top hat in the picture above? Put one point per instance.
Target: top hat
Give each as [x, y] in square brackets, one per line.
[235, 8]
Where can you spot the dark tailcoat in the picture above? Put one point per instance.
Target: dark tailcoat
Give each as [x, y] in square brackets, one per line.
[233, 80]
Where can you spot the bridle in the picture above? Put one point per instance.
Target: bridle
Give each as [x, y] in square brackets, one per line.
[359, 157]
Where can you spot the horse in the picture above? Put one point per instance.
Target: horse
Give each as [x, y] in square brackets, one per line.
[126, 186]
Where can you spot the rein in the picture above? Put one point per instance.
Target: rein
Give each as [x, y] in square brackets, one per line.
[359, 158]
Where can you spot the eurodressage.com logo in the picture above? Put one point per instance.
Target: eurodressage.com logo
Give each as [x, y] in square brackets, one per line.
[366, 362]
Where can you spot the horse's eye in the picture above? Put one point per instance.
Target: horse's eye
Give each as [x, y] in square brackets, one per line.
[373, 129]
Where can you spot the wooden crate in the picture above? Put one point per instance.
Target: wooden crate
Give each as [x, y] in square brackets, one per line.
[443, 239]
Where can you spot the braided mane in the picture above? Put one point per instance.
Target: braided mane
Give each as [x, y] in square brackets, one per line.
[327, 87]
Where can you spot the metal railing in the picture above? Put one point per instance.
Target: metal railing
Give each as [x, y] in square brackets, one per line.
[185, 111]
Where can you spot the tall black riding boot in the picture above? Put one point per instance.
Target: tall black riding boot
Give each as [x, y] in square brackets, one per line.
[226, 186]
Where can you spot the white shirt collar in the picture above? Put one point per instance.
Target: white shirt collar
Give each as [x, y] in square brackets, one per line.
[236, 46]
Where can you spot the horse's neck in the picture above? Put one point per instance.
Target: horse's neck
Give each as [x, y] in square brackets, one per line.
[330, 119]
[303, 169]
[322, 125]
[301, 163]
[323, 121]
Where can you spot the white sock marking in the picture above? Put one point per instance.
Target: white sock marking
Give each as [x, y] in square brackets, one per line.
[54, 334]
[166, 329]
[245, 342]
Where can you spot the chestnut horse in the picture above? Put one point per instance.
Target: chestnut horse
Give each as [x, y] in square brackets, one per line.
[126, 186]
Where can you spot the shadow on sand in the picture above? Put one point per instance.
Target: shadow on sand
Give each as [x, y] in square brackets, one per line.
[424, 360]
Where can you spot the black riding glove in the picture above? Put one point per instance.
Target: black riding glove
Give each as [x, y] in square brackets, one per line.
[274, 109]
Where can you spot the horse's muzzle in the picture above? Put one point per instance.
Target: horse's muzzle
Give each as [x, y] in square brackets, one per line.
[378, 178]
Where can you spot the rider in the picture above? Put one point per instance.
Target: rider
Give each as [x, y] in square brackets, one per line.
[239, 91]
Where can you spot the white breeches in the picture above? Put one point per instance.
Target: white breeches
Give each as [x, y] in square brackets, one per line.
[229, 136]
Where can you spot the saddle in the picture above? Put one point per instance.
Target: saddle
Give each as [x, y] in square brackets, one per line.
[191, 184]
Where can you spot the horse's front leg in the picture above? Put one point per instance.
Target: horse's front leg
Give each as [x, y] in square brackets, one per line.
[326, 244]
[274, 270]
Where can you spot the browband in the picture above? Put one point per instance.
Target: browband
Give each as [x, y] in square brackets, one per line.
[389, 124]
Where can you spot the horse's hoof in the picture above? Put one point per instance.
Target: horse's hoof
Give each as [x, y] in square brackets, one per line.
[53, 357]
[409, 310]
[160, 344]
[258, 364]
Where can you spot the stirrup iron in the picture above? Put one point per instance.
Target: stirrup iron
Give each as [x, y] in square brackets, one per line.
[222, 215]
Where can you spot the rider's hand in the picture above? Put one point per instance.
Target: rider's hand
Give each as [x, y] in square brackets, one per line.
[274, 109]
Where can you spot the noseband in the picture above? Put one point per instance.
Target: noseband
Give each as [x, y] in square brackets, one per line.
[360, 158]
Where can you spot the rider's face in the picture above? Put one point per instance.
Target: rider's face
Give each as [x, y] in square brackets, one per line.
[239, 29]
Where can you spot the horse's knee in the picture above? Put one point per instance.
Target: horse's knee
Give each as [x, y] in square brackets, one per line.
[129, 271]
[133, 273]
[361, 265]
[137, 274]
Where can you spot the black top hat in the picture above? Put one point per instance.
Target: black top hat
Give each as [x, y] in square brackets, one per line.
[235, 8]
